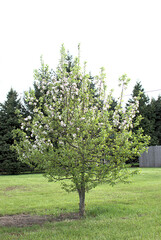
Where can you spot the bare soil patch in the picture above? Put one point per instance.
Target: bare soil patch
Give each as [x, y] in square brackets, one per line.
[15, 188]
[24, 220]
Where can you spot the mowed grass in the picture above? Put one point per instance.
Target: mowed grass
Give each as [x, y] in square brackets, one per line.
[125, 211]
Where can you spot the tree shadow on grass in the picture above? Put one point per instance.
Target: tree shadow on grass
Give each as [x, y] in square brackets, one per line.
[113, 209]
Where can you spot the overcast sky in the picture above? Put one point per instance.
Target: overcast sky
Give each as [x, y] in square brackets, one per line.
[123, 36]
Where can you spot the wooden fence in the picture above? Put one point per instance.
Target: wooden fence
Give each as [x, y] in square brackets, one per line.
[152, 158]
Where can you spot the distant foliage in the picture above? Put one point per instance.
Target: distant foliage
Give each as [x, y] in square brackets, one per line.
[143, 111]
[150, 112]
[155, 118]
[9, 164]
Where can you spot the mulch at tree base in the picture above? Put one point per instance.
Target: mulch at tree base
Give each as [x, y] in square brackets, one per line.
[24, 220]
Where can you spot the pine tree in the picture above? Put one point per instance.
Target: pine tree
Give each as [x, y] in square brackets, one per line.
[143, 110]
[155, 117]
[143, 106]
[9, 121]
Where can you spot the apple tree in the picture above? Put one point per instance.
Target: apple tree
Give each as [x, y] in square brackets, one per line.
[93, 140]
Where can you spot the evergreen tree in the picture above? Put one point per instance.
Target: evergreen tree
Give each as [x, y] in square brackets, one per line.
[144, 111]
[155, 116]
[151, 114]
[9, 121]
[143, 107]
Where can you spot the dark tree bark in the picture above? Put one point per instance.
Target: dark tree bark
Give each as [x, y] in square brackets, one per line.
[82, 201]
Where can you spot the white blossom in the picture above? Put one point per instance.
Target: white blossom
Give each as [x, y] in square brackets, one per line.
[62, 124]
[44, 132]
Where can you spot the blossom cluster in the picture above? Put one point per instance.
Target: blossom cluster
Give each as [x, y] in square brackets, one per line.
[68, 111]
[123, 119]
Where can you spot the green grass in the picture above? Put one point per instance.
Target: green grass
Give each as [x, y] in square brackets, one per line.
[131, 211]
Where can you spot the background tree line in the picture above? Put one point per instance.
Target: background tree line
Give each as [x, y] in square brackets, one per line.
[149, 109]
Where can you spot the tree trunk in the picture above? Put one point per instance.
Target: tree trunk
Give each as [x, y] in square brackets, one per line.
[81, 201]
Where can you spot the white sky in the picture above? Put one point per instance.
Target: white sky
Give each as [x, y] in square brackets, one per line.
[124, 36]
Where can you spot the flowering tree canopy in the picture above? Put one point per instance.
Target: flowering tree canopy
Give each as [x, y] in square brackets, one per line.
[74, 134]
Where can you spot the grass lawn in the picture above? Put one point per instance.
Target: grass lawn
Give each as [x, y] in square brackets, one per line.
[125, 211]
